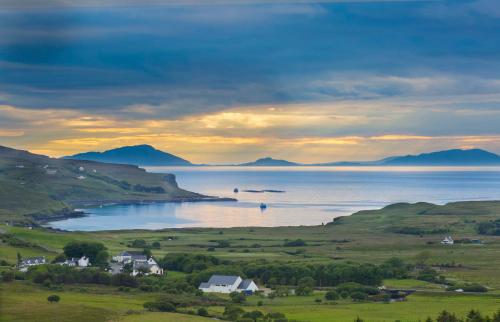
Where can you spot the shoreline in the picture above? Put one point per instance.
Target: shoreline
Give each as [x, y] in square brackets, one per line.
[77, 212]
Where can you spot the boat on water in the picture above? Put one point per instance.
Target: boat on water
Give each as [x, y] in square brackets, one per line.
[263, 206]
[235, 190]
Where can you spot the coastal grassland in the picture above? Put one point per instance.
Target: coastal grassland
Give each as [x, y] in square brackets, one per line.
[36, 188]
[417, 307]
[405, 231]
[367, 236]
[162, 317]
[22, 301]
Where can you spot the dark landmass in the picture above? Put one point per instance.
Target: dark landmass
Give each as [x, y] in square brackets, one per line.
[142, 155]
[455, 157]
[268, 162]
[265, 190]
[36, 187]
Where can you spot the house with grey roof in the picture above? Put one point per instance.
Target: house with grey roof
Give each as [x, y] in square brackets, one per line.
[228, 284]
[129, 257]
[31, 261]
[146, 267]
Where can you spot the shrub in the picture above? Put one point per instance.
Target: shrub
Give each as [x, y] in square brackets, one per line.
[160, 305]
[295, 243]
[202, 311]
[237, 297]
[232, 313]
[8, 276]
[223, 244]
[331, 296]
[253, 315]
[359, 296]
[53, 298]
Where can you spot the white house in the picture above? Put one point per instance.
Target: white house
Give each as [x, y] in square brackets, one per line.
[31, 261]
[146, 267]
[83, 262]
[80, 262]
[228, 284]
[447, 241]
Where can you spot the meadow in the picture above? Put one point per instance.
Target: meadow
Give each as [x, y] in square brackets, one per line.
[365, 237]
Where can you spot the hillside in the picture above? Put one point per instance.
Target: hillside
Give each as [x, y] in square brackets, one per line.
[455, 157]
[269, 162]
[143, 155]
[41, 187]
[448, 157]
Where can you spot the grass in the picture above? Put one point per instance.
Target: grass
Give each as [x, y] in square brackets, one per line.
[367, 236]
[419, 306]
[162, 317]
[26, 302]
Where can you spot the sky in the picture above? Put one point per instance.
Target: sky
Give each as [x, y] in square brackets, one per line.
[232, 81]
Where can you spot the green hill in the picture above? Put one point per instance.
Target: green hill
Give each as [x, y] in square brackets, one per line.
[39, 187]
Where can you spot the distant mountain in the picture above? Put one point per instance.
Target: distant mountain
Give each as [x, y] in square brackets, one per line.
[448, 157]
[269, 162]
[142, 155]
[455, 157]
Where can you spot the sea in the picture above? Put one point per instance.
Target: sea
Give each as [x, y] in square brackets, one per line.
[293, 196]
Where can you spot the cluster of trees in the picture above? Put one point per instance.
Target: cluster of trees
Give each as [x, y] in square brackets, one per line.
[472, 316]
[235, 313]
[96, 252]
[188, 263]
[324, 274]
[141, 243]
[419, 231]
[305, 276]
[489, 228]
[57, 274]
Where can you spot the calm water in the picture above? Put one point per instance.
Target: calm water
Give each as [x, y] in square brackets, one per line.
[313, 195]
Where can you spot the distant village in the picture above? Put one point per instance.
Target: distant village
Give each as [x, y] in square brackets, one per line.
[139, 264]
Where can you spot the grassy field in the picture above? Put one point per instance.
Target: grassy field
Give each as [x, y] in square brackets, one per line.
[368, 237]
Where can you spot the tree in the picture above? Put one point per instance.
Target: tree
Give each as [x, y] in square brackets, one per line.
[253, 315]
[53, 298]
[19, 258]
[156, 245]
[59, 258]
[447, 317]
[305, 286]
[237, 297]
[232, 313]
[496, 317]
[331, 296]
[101, 259]
[474, 316]
[78, 249]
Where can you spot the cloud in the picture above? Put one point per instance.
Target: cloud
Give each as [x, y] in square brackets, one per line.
[301, 80]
